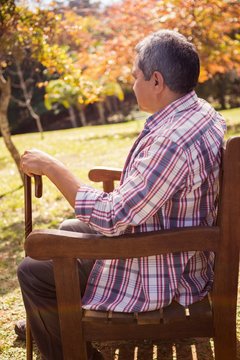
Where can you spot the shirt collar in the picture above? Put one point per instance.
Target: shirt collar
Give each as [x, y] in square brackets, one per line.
[185, 102]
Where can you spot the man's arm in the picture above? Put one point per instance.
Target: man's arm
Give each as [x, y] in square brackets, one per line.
[156, 174]
[35, 162]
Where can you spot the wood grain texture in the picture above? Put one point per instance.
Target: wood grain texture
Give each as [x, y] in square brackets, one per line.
[69, 302]
[46, 244]
[105, 175]
[100, 174]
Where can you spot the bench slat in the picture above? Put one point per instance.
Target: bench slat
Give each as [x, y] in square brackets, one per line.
[91, 315]
[150, 317]
[200, 308]
[174, 312]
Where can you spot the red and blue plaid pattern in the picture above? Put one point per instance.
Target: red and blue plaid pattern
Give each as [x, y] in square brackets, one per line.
[169, 180]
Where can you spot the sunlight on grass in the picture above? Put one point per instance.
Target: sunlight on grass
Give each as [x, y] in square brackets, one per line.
[232, 117]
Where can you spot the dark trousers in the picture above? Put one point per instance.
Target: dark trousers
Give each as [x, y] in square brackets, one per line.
[39, 295]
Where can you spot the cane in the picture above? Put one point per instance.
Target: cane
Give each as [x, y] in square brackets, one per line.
[28, 229]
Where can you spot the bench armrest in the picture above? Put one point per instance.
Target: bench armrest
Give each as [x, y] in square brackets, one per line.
[49, 244]
[105, 175]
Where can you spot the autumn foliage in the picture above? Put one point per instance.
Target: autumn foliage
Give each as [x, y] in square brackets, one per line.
[213, 26]
[88, 55]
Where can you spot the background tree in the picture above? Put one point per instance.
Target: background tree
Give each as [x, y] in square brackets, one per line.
[83, 7]
[24, 78]
[213, 26]
[25, 44]
[88, 79]
[7, 24]
[24, 37]
[76, 89]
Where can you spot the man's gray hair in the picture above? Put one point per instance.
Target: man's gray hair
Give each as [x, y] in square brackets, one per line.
[169, 53]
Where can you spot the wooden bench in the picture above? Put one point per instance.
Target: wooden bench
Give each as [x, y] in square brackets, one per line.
[214, 316]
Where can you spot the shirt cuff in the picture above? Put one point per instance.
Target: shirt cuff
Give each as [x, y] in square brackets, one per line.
[85, 201]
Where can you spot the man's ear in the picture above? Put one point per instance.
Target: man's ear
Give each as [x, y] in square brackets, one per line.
[158, 81]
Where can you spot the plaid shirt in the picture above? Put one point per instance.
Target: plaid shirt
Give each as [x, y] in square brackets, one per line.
[170, 180]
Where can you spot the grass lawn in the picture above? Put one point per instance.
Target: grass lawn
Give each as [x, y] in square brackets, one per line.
[80, 149]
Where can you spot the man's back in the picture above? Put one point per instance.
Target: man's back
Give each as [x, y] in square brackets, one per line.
[170, 180]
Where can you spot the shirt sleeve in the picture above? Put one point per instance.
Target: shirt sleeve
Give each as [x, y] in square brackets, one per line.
[156, 174]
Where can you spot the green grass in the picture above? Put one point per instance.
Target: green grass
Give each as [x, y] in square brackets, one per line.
[232, 117]
[80, 149]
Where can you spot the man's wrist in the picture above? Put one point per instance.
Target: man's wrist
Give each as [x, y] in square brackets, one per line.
[52, 166]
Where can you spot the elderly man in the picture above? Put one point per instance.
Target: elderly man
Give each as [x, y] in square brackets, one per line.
[169, 180]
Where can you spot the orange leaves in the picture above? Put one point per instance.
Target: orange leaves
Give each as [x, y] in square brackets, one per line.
[104, 45]
[212, 26]
[28, 31]
[100, 46]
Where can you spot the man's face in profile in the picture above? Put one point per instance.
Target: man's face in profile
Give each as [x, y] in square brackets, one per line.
[143, 89]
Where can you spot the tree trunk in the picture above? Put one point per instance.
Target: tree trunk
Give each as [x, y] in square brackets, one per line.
[72, 117]
[100, 107]
[83, 117]
[5, 95]
[27, 98]
[108, 103]
[36, 118]
[115, 103]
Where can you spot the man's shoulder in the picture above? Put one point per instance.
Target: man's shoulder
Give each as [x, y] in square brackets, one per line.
[189, 125]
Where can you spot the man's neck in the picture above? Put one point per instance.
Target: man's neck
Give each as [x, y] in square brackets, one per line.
[166, 99]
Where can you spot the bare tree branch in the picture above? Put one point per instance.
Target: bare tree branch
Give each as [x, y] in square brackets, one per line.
[19, 102]
[2, 79]
[16, 86]
[28, 98]
[12, 72]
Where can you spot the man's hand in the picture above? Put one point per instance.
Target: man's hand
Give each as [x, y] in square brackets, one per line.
[36, 162]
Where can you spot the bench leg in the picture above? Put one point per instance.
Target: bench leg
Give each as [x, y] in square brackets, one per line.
[225, 340]
[29, 344]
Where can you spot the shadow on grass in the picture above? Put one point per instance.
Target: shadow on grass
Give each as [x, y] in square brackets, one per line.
[12, 250]
[11, 192]
[185, 349]
[22, 344]
[11, 253]
[131, 135]
[146, 350]
[167, 350]
[189, 349]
